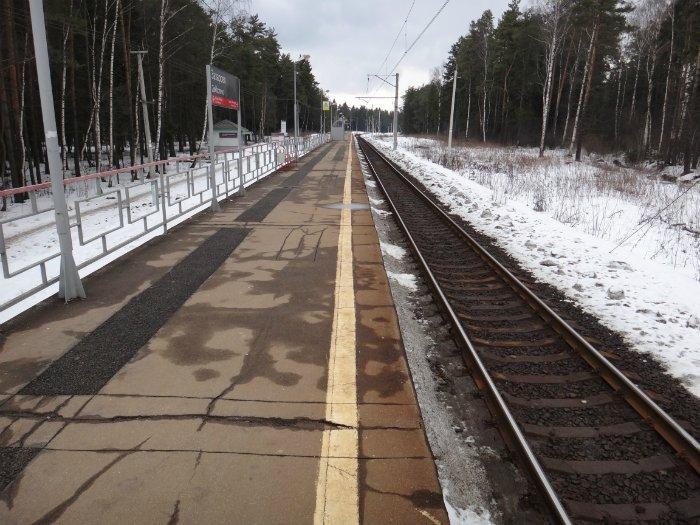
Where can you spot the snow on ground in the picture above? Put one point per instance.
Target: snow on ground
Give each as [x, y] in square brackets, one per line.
[639, 292]
[638, 208]
[407, 280]
[397, 252]
[468, 516]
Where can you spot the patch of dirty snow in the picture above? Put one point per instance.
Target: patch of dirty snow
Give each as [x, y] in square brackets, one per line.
[406, 280]
[397, 252]
[381, 213]
[468, 516]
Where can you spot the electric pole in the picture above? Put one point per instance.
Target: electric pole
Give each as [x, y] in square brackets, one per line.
[296, 113]
[144, 103]
[396, 114]
[69, 284]
[452, 110]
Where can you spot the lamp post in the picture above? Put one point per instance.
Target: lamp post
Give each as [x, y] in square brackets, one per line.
[296, 105]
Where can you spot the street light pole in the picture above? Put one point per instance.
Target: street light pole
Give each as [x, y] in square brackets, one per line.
[296, 113]
[69, 284]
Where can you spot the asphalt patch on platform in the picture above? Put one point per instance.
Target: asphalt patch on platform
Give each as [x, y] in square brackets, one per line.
[12, 462]
[91, 363]
[261, 209]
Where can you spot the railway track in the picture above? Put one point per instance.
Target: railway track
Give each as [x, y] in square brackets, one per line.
[597, 447]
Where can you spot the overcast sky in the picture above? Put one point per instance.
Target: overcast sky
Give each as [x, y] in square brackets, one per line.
[347, 39]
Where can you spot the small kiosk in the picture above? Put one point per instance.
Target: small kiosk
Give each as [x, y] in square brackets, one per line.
[226, 134]
[338, 129]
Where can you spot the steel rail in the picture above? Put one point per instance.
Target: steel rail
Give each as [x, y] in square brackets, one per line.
[483, 377]
[686, 446]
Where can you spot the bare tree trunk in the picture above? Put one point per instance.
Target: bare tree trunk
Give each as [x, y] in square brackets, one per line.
[73, 100]
[163, 20]
[10, 98]
[64, 72]
[126, 36]
[574, 70]
[22, 112]
[589, 82]
[112, 161]
[98, 94]
[585, 81]
[554, 21]
[486, 66]
[650, 67]
[668, 79]
[469, 108]
[634, 88]
[617, 104]
[686, 134]
[560, 89]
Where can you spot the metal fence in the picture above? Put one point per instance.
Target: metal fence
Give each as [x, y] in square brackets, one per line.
[104, 220]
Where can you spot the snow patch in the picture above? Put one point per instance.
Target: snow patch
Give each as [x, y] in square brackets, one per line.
[468, 516]
[397, 252]
[406, 280]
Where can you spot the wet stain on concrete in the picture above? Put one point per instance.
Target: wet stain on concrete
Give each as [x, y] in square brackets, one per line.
[190, 355]
[18, 372]
[205, 374]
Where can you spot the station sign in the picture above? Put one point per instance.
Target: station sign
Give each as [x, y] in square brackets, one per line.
[225, 89]
[326, 105]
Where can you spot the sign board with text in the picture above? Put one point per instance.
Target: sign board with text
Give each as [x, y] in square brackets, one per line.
[225, 89]
[326, 105]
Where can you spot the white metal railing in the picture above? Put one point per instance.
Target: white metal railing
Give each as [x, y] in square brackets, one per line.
[104, 220]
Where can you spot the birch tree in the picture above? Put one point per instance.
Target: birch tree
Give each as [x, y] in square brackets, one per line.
[553, 15]
[585, 84]
[668, 78]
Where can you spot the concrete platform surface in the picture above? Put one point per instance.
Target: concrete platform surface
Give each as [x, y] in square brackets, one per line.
[245, 368]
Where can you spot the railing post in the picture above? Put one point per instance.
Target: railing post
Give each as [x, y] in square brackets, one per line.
[163, 201]
[69, 284]
[241, 178]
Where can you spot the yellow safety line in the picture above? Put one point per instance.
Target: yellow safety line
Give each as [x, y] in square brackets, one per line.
[337, 498]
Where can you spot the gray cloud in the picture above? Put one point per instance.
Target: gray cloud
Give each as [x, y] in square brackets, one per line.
[348, 39]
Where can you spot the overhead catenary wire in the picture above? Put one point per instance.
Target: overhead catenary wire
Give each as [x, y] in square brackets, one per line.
[407, 51]
[393, 44]
[415, 41]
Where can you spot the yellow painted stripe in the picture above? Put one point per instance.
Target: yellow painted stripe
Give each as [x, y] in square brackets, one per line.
[337, 497]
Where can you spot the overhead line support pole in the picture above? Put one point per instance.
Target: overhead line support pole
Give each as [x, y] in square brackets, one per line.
[69, 283]
[144, 104]
[452, 111]
[296, 114]
[396, 114]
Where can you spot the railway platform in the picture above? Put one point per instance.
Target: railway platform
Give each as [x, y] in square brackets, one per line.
[247, 367]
